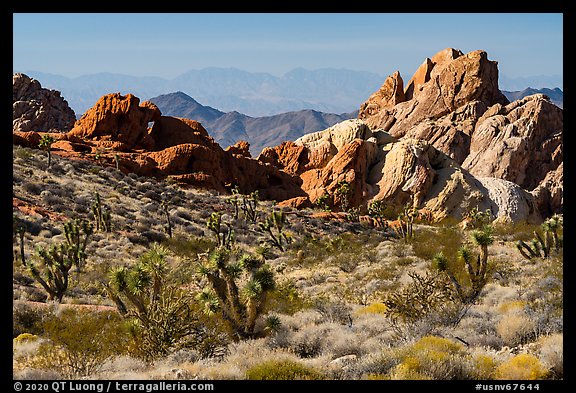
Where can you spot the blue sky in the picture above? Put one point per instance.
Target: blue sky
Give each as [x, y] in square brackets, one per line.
[167, 45]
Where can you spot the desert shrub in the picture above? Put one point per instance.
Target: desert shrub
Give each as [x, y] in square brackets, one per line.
[482, 366]
[27, 319]
[374, 308]
[515, 327]
[282, 370]
[430, 241]
[522, 367]
[286, 299]
[431, 357]
[86, 342]
[32, 188]
[424, 295]
[551, 354]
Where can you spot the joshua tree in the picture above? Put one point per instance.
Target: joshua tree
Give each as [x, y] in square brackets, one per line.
[46, 144]
[249, 206]
[343, 193]
[117, 161]
[19, 230]
[101, 215]
[440, 262]
[234, 200]
[483, 238]
[274, 227]
[322, 202]
[163, 314]
[477, 272]
[57, 260]
[222, 230]
[404, 229]
[376, 210]
[239, 307]
[541, 246]
[164, 207]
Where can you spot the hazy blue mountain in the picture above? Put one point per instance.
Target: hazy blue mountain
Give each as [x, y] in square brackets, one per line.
[229, 89]
[556, 95]
[231, 127]
[535, 81]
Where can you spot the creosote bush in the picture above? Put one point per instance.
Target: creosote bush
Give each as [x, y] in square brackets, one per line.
[282, 370]
[522, 367]
[88, 340]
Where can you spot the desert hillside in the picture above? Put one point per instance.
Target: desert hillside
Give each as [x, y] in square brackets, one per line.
[421, 241]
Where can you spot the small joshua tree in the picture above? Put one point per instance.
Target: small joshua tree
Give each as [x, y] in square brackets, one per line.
[541, 246]
[18, 231]
[343, 193]
[46, 144]
[234, 200]
[376, 210]
[165, 209]
[240, 307]
[477, 271]
[322, 202]
[57, 260]
[164, 316]
[273, 225]
[250, 206]
[222, 230]
[404, 230]
[101, 214]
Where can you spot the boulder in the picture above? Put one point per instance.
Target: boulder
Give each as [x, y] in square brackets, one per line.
[35, 108]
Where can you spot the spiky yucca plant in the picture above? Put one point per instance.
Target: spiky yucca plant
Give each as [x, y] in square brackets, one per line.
[163, 315]
[239, 306]
[542, 246]
[57, 260]
[273, 225]
[46, 144]
[101, 214]
[221, 229]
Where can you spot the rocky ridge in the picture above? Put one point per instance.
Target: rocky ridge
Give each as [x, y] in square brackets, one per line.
[447, 142]
[35, 108]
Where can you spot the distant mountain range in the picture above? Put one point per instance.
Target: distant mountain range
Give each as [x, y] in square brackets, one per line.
[556, 95]
[254, 94]
[229, 89]
[231, 127]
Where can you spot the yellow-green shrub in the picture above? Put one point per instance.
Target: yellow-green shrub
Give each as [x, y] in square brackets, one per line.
[282, 370]
[374, 308]
[483, 367]
[431, 358]
[520, 367]
[24, 338]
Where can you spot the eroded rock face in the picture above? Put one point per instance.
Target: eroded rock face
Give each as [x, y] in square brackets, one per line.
[448, 81]
[118, 118]
[35, 108]
[398, 171]
[520, 142]
[453, 102]
[117, 127]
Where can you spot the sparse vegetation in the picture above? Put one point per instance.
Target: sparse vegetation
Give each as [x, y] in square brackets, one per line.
[341, 301]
